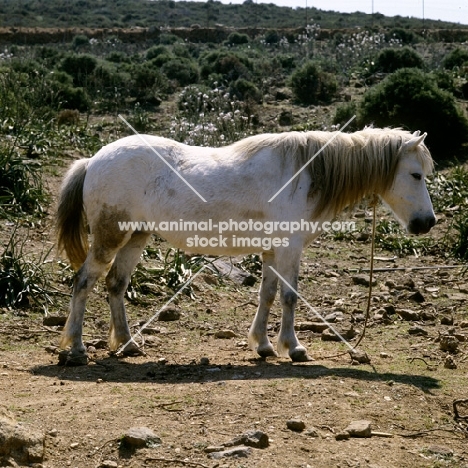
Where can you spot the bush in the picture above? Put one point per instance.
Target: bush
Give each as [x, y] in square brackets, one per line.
[73, 98]
[156, 51]
[118, 57]
[410, 98]
[343, 113]
[457, 58]
[311, 85]
[79, 67]
[406, 36]
[245, 90]
[183, 70]
[236, 38]
[80, 40]
[231, 66]
[272, 37]
[390, 60]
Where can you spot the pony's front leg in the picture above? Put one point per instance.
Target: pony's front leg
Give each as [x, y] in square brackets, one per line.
[258, 338]
[288, 343]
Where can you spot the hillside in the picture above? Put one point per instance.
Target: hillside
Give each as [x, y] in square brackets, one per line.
[157, 13]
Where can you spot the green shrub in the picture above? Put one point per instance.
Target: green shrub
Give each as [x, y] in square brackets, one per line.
[311, 85]
[156, 51]
[23, 281]
[272, 37]
[405, 36]
[183, 70]
[229, 65]
[79, 67]
[74, 98]
[80, 40]
[148, 84]
[118, 57]
[457, 58]
[343, 113]
[161, 60]
[410, 98]
[236, 38]
[390, 59]
[245, 90]
[181, 50]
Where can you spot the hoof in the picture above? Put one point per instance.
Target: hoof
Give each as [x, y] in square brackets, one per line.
[67, 358]
[300, 355]
[132, 350]
[267, 352]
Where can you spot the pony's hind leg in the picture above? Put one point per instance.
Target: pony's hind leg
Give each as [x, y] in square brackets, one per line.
[117, 281]
[72, 334]
[258, 337]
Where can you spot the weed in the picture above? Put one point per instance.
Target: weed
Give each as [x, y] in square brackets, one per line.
[23, 280]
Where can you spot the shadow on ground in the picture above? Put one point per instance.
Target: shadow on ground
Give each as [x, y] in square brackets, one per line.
[112, 369]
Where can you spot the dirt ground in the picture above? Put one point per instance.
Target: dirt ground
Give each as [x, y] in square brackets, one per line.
[195, 390]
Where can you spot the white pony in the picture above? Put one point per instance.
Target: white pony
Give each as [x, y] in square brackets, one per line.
[130, 181]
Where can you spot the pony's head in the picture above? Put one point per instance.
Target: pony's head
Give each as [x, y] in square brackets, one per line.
[408, 197]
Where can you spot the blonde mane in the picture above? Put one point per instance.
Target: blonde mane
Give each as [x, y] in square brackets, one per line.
[351, 167]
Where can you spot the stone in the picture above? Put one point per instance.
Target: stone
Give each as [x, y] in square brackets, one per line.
[342, 435]
[446, 320]
[169, 314]
[138, 437]
[439, 450]
[448, 343]
[234, 273]
[329, 335]
[54, 321]
[408, 314]
[428, 316]
[360, 428]
[225, 334]
[236, 452]
[363, 280]
[334, 317]
[19, 442]
[312, 432]
[417, 330]
[359, 357]
[252, 438]
[295, 424]
[417, 297]
[316, 327]
[449, 362]
[108, 464]
[214, 448]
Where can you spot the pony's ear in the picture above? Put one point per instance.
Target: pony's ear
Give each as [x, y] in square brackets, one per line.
[416, 133]
[415, 141]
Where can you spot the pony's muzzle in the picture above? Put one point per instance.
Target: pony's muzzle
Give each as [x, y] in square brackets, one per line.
[421, 225]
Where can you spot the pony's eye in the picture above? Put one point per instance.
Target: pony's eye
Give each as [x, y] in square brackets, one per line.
[417, 176]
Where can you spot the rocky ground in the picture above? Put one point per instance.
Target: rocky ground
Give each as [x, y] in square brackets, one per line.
[201, 398]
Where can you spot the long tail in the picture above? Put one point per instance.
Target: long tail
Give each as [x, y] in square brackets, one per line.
[71, 218]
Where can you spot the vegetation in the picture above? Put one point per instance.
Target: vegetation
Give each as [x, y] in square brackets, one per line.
[64, 98]
[412, 99]
[311, 85]
[138, 13]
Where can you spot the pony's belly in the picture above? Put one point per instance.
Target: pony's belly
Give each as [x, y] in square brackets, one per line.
[226, 243]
